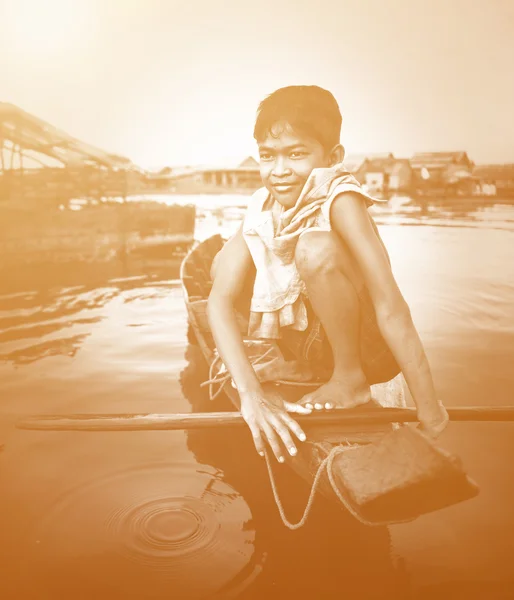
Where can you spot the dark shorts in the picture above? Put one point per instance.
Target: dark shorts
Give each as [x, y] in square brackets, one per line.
[378, 362]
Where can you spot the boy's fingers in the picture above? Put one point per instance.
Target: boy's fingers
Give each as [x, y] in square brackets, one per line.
[434, 427]
[433, 430]
[257, 439]
[279, 425]
[294, 427]
[273, 441]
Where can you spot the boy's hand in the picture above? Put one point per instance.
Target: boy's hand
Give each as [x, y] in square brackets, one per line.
[433, 419]
[266, 415]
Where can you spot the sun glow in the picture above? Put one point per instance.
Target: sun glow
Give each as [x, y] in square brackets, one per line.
[46, 27]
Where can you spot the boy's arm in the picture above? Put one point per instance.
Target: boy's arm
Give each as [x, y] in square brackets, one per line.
[233, 264]
[350, 219]
[267, 419]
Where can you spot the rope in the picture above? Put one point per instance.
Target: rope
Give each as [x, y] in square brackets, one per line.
[325, 463]
[222, 379]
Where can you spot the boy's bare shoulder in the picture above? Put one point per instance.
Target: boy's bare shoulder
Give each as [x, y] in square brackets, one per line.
[350, 206]
[350, 217]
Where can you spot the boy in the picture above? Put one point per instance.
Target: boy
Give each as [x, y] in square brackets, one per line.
[323, 281]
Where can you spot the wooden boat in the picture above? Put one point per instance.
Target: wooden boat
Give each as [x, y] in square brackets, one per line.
[321, 439]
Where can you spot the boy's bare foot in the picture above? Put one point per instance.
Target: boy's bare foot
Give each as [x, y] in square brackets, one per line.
[337, 393]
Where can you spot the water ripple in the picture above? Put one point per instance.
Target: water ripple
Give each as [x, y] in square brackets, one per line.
[153, 530]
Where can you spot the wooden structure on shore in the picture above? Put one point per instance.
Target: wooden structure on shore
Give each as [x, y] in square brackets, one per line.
[243, 179]
[442, 173]
[495, 180]
[62, 199]
[41, 163]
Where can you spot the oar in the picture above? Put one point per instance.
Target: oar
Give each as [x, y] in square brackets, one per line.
[341, 417]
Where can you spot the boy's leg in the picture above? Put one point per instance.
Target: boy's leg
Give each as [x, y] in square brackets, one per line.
[333, 280]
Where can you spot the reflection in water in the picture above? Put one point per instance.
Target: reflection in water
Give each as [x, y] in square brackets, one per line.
[65, 347]
[50, 307]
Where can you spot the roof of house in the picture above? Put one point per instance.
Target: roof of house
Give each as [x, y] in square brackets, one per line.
[354, 161]
[39, 140]
[438, 159]
[389, 164]
[249, 162]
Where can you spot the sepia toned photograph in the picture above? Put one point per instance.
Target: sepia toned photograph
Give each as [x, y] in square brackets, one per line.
[256, 300]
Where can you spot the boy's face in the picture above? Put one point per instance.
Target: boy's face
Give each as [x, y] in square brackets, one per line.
[286, 161]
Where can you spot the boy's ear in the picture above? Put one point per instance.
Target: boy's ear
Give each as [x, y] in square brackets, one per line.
[336, 155]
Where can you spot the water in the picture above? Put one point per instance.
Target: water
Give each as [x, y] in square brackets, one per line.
[184, 515]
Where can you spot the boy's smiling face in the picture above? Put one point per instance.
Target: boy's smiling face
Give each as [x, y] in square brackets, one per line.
[286, 160]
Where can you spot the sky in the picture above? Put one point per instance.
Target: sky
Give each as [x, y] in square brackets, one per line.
[168, 82]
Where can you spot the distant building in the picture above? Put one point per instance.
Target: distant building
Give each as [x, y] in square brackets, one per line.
[244, 178]
[494, 180]
[384, 174]
[442, 172]
[353, 161]
[400, 176]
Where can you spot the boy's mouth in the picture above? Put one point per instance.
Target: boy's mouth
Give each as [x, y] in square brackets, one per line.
[283, 188]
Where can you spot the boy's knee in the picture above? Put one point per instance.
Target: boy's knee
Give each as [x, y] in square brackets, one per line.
[317, 253]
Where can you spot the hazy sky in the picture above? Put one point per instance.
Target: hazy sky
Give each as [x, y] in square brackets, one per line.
[168, 82]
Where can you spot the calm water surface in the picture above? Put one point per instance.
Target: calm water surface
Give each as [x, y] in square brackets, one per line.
[136, 515]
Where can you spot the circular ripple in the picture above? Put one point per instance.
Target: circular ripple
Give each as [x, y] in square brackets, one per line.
[145, 533]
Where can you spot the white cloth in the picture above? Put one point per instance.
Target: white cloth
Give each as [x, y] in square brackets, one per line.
[271, 236]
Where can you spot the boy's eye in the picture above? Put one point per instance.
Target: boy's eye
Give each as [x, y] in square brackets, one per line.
[298, 154]
[265, 156]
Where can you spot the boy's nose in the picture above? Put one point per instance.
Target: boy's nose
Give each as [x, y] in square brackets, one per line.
[280, 168]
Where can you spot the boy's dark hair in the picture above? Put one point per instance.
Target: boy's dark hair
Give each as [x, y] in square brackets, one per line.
[308, 109]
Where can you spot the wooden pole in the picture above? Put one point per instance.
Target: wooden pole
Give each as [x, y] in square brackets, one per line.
[337, 417]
